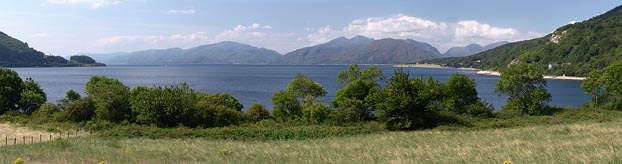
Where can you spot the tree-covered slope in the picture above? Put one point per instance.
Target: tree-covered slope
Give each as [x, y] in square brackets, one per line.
[574, 49]
[15, 53]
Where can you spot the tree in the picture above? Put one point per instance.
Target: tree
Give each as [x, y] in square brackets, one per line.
[80, 110]
[258, 112]
[32, 96]
[402, 104]
[526, 88]
[613, 87]
[288, 102]
[460, 92]
[70, 96]
[10, 90]
[111, 98]
[302, 86]
[593, 86]
[359, 86]
[164, 106]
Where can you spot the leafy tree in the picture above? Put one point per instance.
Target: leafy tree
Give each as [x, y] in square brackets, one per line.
[223, 99]
[613, 87]
[164, 106]
[80, 110]
[32, 96]
[526, 88]
[208, 114]
[593, 86]
[315, 112]
[285, 105]
[48, 112]
[402, 104]
[258, 112]
[302, 86]
[10, 90]
[354, 73]
[459, 93]
[288, 102]
[359, 86]
[111, 98]
[70, 96]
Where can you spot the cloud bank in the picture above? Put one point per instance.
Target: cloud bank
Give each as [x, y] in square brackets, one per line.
[93, 3]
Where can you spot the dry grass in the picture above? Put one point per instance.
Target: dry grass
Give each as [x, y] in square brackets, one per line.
[571, 143]
[14, 134]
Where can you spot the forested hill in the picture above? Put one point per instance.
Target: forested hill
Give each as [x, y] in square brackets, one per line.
[15, 53]
[573, 50]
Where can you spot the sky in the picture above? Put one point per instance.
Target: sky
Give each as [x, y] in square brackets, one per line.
[67, 27]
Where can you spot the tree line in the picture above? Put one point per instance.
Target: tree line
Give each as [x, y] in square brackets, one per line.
[404, 103]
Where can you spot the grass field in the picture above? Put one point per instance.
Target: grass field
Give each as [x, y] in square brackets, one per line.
[566, 143]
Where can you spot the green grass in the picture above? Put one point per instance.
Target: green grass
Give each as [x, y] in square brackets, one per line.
[568, 143]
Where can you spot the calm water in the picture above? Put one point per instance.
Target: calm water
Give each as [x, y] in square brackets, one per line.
[251, 83]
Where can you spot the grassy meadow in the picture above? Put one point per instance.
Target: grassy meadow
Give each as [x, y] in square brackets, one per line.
[563, 143]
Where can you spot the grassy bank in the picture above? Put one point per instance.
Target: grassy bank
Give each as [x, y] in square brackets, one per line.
[565, 143]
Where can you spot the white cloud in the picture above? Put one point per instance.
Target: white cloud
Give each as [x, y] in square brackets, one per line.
[153, 39]
[189, 11]
[241, 32]
[93, 3]
[440, 34]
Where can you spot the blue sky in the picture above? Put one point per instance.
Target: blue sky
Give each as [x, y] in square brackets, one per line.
[65, 27]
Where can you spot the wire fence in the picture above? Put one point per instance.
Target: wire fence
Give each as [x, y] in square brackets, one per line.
[39, 138]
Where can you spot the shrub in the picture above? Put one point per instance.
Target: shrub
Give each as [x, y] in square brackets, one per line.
[164, 107]
[48, 112]
[257, 112]
[32, 96]
[111, 98]
[80, 110]
[10, 89]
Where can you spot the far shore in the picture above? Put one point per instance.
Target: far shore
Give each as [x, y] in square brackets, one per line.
[496, 73]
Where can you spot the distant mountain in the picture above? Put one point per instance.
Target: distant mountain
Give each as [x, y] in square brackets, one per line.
[574, 49]
[471, 49]
[361, 50]
[218, 53]
[15, 53]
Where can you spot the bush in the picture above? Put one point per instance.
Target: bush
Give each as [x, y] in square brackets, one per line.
[10, 89]
[257, 112]
[111, 98]
[48, 112]
[32, 96]
[80, 110]
[163, 107]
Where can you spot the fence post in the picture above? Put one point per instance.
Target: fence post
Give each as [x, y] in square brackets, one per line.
[24, 140]
[40, 137]
[67, 134]
[50, 138]
[6, 141]
[32, 139]
[15, 141]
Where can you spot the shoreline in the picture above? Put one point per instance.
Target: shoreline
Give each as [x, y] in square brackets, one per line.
[548, 77]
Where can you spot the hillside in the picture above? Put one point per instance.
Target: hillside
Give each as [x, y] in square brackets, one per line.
[218, 53]
[15, 53]
[361, 50]
[574, 49]
[471, 49]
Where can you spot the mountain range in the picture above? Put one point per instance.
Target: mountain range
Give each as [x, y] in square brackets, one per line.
[471, 49]
[574, 49]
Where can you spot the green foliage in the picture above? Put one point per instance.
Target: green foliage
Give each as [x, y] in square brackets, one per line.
[593, 86]
[302, 86]
[459, 94]
[402, 104]
[526, 88]
[258, 112]
[10, 89]
[72, 95]
[581, 47]
[111, 98]
[285, 105]
[80, 110]
[32, 96]
[209, 112]
[260, 133]
[223, 99]
[15, 53]
[315, 112]
[359, 86]
[48, 112]
[82, 59]
[163, 106]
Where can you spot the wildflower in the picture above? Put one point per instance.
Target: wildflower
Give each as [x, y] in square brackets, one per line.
[19, 161]
[102, 162]
[507, 162]
[225, 152]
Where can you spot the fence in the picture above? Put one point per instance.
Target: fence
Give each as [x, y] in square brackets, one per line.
[30, 139]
